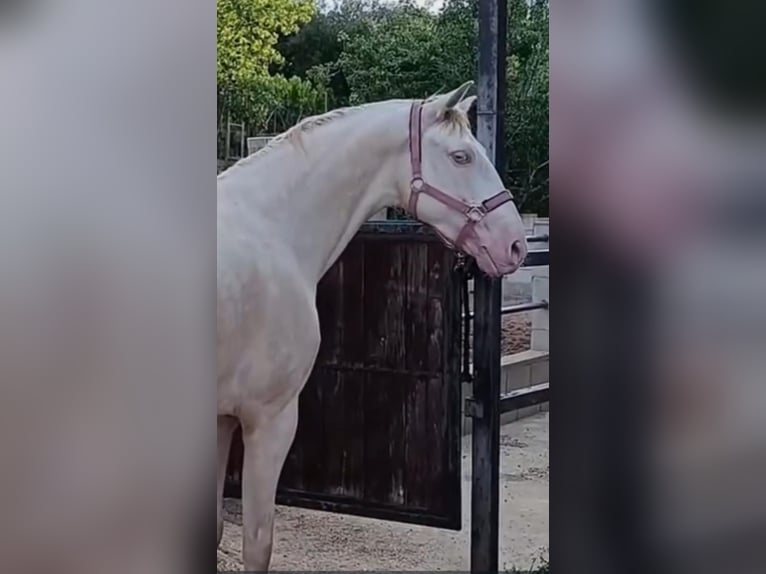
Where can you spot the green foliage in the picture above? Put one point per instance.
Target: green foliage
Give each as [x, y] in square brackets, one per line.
[526, 111]
[317, 48]
[399, 56]
[248, 34]
[274, 103]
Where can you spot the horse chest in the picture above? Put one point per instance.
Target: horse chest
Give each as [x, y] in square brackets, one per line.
[267, 354]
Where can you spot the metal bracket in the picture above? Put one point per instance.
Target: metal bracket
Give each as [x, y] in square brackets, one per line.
[474, 409]
[459, 262]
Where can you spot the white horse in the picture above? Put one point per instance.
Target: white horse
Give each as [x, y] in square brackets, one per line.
[286, 213]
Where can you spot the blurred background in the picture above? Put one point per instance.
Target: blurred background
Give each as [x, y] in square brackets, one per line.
[657, 175]
[107, 259]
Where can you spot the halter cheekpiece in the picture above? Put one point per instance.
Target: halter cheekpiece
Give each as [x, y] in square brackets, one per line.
[473, 213]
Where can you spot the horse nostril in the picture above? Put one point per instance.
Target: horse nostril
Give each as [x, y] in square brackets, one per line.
[516, 252]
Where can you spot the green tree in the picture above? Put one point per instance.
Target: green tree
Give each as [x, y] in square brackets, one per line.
[314, 52]
[526, 111]
[400, 54]
[248, 33]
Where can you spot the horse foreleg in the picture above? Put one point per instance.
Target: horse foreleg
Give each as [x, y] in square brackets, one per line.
[226, 427]
[266, 448]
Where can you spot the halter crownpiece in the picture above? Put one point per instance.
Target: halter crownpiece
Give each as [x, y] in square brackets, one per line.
[473, 213]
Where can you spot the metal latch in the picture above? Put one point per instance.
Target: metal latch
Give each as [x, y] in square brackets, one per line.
[474, 409]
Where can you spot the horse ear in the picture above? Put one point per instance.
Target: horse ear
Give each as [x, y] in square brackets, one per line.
[448, 101]
[465, 105]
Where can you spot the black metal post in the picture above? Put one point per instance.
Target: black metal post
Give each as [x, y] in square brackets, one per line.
[485, 487]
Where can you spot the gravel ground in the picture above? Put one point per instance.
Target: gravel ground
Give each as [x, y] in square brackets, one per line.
[312, 540]
[516, 333]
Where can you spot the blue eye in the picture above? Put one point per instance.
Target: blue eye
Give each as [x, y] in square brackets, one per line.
[461, 157]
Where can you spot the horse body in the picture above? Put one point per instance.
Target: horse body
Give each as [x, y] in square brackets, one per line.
[284, 217]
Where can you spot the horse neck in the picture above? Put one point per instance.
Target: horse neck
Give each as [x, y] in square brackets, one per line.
[316, 193]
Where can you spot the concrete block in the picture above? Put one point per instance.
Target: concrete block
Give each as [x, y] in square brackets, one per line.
[505, 380]
[515, 377]
[528, 411]
[517, 287]
[516, 291]
[540, 287]
[539, 373]
[529, 219]
[540, 340]
[540, 319]
[542, 271]
[509, 417]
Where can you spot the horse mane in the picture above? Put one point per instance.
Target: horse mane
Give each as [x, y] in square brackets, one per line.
[294, 134]
[452, 119]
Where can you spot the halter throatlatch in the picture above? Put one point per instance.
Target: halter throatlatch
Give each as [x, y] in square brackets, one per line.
[473, 213]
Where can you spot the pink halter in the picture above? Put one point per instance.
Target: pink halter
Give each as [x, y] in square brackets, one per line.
[473, 213]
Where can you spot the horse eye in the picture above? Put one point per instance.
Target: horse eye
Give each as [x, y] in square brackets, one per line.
[460, 157]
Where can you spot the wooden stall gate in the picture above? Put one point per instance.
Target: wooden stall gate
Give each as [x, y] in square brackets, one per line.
[380, 419]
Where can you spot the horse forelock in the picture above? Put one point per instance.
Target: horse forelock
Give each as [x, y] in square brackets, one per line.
[455, 119]
[452, 119]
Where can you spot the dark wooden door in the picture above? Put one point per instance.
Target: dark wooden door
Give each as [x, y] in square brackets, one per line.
[379, 421]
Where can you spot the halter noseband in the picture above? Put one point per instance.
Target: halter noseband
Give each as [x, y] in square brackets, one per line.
[473, 213]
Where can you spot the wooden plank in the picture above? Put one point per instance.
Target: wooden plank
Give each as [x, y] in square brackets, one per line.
[443, 411]
[416, 299]
[436, 408]
[418, 442]
[391, 328]
[436, 276]
[374, 305]
[418, 445]
[305, 461]
[354, 350]
[331, 314]
[452, 378]
[384, 447]
[343, 445]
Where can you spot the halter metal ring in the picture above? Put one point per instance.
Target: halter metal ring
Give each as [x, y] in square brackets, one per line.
[475, 213]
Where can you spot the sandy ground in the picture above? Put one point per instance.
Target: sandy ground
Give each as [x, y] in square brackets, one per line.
[311, 540]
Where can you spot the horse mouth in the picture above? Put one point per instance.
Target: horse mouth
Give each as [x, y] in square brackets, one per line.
[487, 264]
